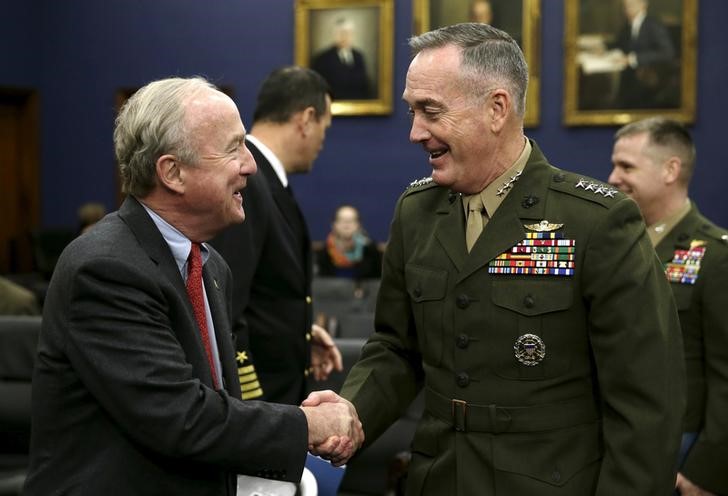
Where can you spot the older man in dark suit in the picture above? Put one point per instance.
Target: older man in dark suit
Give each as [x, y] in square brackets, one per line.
[135, 389]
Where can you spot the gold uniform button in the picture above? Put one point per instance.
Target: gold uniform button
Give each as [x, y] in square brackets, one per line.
[308, 336]
[308, 300]
[305, 372]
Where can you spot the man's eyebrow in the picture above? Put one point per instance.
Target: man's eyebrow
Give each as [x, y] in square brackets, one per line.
[426, 102]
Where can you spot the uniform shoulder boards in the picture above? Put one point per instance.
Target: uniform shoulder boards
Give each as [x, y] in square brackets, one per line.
[715, 232]
[584, 187]
[419, 183]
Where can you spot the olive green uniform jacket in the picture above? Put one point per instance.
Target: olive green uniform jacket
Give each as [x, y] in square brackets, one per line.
[702, 309]
[599, 414]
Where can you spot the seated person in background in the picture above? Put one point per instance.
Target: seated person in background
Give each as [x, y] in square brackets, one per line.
[89, 214]
[348, 252]
[17, 300]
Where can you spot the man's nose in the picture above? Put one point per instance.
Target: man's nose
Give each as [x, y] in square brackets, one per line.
[418, 132]
[613, 178]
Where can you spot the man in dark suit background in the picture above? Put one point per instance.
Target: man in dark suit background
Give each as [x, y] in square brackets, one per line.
[270, 255]
[343, 66]
[135, 389]
[653, 161]
[647, 52]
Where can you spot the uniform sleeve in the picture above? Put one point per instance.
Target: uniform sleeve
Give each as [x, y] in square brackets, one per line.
[389, 373]
[710, 451]
[637, 348]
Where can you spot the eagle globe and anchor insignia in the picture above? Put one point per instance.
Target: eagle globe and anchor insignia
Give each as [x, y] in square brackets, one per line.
[530, 349]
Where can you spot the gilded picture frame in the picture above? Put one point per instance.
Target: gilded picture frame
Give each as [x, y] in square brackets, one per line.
[350, 42]
[519, 18]
[617, 71]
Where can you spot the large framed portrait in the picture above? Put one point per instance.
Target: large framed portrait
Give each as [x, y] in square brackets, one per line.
[625, 60]
[519, 18]
[349, 42]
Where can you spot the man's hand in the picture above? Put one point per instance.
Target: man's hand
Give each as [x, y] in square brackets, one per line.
[325, 356]
[687, 488]
[334, 429]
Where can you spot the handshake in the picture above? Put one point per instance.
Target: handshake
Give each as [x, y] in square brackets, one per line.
[334, 429]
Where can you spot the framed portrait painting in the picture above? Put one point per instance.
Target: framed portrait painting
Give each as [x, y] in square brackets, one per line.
[625, 60]
[349, 42]
[519, 18]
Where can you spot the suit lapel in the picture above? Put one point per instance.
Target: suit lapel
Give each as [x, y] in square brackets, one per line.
[151, 240]
[216, 299]
[153, 243]
[283, 199]
[295, 228]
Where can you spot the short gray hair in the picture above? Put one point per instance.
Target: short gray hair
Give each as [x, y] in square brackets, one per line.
[668, 137]
[488, 55]
[150, 124]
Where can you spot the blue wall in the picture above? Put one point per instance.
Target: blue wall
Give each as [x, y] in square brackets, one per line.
[78, 53]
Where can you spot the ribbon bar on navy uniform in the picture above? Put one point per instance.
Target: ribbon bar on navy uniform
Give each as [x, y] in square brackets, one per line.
[464, 416]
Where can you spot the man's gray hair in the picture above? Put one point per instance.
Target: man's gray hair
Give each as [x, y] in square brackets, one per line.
[150, 124]
[489, 56]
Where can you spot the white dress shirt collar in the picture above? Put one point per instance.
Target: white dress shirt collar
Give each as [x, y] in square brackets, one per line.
[271, 157]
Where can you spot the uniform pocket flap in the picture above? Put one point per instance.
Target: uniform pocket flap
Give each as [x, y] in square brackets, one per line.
[425, 284]
[553, 457]
[532, 297]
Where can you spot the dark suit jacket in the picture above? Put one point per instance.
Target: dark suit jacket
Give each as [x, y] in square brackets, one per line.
[701, 307]
[640, 87]
[270, 258]
[348, 82]
[122, 397]
[599, 415]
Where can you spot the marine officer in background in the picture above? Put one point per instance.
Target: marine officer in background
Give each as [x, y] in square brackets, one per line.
[508, 293]
[653, 163]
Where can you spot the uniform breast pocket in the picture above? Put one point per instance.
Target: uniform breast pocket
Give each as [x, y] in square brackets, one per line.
[427, 288]
[536, 327]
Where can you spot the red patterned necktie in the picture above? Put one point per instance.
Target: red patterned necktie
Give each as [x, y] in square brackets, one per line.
[197, 298]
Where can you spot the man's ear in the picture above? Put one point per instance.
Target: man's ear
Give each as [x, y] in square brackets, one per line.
[305, 118]
[170, 173]
[671, 169]
[498, 106]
